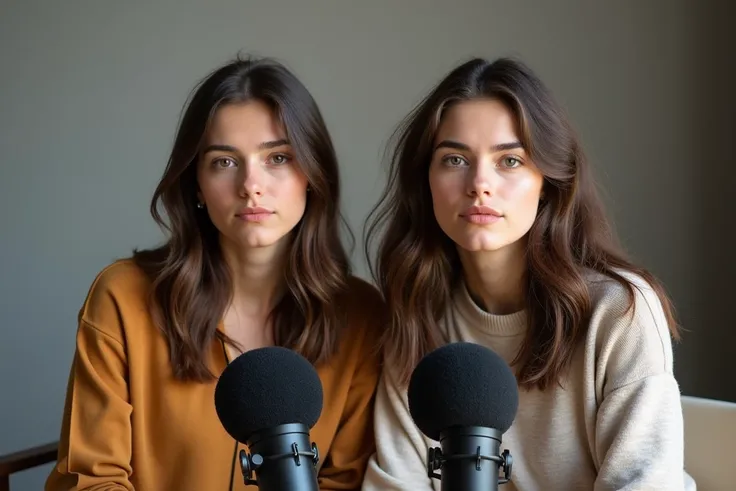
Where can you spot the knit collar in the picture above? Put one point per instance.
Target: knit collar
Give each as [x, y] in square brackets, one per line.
[478, 319]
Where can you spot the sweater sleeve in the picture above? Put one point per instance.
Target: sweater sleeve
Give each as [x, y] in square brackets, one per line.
[96, 436]
[638, 438]
[399, 463]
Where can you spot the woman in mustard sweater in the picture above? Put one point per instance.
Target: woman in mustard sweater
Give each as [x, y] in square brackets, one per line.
[492, 216]
[253, 259]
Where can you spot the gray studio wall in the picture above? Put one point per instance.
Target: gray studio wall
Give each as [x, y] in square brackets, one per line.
[90, 93]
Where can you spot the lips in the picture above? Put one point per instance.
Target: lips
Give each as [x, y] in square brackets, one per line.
[256, 210]
[482, 210]
[254, 214]
[482, 215]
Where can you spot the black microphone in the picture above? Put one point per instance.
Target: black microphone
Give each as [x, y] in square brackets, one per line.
[465, 396]
[269, 399]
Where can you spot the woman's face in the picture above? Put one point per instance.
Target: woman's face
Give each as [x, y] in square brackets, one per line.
[250, 184]
[485, 189]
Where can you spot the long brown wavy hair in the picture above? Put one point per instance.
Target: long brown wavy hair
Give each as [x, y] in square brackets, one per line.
[417, 265]
[191, 283]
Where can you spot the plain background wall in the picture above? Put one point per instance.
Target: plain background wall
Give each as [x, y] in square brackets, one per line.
[91, 92]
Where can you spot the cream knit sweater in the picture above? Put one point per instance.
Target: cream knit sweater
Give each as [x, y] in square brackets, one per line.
[616, 424]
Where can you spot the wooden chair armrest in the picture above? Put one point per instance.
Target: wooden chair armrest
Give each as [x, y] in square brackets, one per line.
[28, 458]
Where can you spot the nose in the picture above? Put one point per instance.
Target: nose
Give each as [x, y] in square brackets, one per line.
[251, 179]
[482, 178]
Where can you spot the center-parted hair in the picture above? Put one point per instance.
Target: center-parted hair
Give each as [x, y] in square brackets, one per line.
[191, 281]
[417, 265]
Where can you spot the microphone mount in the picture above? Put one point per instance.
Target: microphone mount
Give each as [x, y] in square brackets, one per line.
[249, 463]
[265, 442]
[436, 459]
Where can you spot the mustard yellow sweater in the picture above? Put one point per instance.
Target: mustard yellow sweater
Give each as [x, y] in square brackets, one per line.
[129, 425]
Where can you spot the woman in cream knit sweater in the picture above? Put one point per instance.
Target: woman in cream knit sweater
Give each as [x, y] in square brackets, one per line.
[492, 233]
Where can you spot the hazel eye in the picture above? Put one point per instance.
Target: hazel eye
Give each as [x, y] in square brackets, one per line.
[511, 162]
[454, 161]
[224, 162]
[280, 159]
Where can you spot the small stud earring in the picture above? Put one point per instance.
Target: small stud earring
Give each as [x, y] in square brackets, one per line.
[200, 205]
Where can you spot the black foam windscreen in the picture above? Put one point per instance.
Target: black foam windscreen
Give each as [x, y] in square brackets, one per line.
[462, 384]
[267, 387]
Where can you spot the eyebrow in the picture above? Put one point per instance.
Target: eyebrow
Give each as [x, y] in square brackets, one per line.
[461, 146]
[230, 148]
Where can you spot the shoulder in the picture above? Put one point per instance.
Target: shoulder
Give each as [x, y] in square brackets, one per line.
[118, 291]
[609, 291]
[632, 302]
[628, 328]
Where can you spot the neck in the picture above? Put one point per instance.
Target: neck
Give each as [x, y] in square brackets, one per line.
[495, 279]
[257, 278]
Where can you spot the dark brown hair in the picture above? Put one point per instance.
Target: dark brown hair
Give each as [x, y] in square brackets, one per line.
[191, 282]
[417, 265]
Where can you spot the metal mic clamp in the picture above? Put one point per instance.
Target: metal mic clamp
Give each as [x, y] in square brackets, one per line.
[250, 463]
[461, 456]
[435, 460]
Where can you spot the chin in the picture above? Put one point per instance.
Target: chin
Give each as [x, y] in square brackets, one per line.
[258, 242]
[253, 240]
[474, 247]
[483, 242]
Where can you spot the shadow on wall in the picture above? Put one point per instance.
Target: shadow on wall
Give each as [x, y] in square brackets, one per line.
[710, 341]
